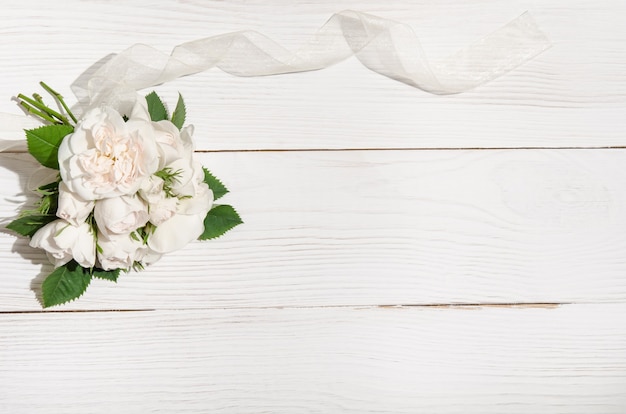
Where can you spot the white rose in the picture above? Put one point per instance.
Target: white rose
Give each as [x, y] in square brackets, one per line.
[121, 251]
[162, 210]
[199, 204]
[151, 189]
[176, 152]
[189, 175]
[186, 225]
[106, 157]
[117, 251]
[63, 242]
[160, 207]
[120, 215]
[71, 207]
[172, 143]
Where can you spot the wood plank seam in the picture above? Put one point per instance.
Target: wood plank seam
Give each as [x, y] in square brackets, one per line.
[544, 305]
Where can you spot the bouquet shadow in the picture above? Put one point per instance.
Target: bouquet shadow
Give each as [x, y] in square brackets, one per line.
[29, 175]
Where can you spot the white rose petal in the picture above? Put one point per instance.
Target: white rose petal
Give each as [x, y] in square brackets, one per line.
[63, 242]
[120, 215]
[186, 138]
[140, 109]
[176, 233]
[172, 143]
[169, 142]
[199, 204]
[71, 207]
[149, 256]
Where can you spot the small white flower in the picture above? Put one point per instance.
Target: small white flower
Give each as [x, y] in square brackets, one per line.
[160, 207]
[184, 226]
[71, 207]
[172, 143]
[117, 251]
[120, 215]
[121, 251]
[151, 189]
[63, 242]
[162, 210]
[189, 175]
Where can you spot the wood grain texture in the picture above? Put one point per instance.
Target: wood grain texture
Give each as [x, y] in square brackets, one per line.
[376, 228]
[566, 360]
[572, 95]
[277, 316]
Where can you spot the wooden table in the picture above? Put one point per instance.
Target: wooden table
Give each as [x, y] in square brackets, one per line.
[401, 253]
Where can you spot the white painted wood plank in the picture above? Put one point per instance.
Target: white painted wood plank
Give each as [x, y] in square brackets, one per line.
[572, 95]
[570, 359]
[378, 227]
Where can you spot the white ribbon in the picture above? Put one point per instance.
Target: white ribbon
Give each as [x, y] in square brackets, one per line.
[384, 46]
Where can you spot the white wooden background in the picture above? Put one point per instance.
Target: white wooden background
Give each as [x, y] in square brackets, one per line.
[402, 252]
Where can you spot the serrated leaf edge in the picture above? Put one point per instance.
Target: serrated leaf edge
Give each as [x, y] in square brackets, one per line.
[180, 110]
[43, 300]
[160, 102]
[226, 190]
[96, 275]
[33, 133]
[10, 226]
[216, 237]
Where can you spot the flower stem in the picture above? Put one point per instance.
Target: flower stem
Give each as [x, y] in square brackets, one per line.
[59, 98]
[44, 108]
[37, 112]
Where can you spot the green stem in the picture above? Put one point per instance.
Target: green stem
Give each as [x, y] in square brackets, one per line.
[38, 113]
[44, 108]
[59, 98]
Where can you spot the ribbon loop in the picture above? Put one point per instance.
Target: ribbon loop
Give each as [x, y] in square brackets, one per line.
[384, 46]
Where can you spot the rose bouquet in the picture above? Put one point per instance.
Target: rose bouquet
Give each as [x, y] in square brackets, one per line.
[129, 189]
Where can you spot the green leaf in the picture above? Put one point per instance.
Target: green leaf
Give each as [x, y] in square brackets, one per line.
[49, 189]
[49, 202]
[156, 109]
[178, 117]
[111, 275]
[65, 284]
[28, 225]
[218, 221]
[214, 184]
[43, 143]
